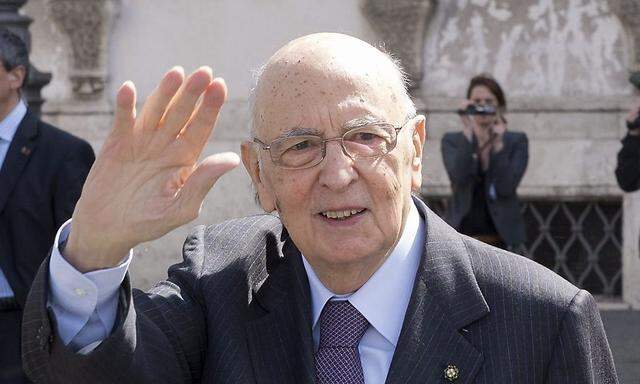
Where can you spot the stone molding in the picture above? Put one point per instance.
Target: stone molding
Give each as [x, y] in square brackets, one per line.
[87, 23]
[628, 11]
[402, 26]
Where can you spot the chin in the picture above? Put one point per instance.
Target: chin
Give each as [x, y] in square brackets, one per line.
[349, 253]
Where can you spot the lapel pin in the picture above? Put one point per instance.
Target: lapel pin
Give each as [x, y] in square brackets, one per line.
[451, 372]
[25, 151]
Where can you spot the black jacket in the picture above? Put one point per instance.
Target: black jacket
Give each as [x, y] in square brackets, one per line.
[40, 181]
[238, 310]
[505, 172]
[628, 168]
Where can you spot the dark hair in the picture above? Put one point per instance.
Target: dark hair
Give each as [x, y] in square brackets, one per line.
[13, 52]
[493, 86]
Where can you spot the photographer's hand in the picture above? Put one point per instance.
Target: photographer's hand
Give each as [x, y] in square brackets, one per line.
[467, 121]
[499, 128]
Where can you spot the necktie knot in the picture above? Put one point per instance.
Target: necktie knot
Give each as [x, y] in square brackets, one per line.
[341, 325]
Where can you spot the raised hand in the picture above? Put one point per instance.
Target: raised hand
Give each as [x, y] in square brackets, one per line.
[147, 181]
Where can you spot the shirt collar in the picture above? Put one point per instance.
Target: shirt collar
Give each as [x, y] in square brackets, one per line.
[9, 125]
[384, 298]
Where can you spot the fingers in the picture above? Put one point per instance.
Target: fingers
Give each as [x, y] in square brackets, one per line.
[156, 104]
[184, 102]
[125, 114]
[203, 121]
[204, 177]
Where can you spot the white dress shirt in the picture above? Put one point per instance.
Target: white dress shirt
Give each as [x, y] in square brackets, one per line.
[85, 305]
[382, 300]
[8, 128]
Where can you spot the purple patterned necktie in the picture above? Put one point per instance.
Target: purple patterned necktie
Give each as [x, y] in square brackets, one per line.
[337, 359]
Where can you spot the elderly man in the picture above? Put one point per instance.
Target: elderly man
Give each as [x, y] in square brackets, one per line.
[354, 280]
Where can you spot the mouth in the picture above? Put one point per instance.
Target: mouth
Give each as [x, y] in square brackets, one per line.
[342, 214]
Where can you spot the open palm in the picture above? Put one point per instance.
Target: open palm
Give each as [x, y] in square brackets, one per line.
[147, 181]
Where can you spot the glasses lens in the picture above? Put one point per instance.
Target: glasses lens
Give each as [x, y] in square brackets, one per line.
[370, 140]
[296, 151]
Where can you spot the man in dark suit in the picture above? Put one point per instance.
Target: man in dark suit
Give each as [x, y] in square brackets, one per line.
[354, 281]
[42, 170]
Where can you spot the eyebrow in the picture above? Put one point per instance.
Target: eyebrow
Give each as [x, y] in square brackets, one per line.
[299, 131]
[361, 122]
[354, 123]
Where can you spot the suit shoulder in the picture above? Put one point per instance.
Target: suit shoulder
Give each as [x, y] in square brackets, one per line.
[503, 275]
[61, 137]
[234, 243]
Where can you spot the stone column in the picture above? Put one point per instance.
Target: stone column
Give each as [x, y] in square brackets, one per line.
[87, 23]
[402, 26]
[631, 250]
[19, 24]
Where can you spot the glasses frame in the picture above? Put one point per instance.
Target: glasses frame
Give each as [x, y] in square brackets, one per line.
[397, 128]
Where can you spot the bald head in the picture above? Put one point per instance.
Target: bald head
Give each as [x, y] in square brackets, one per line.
[322, 68]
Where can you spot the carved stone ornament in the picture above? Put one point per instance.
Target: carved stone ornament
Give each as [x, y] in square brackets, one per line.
[402, 25]
[629, 13]
[87, 23]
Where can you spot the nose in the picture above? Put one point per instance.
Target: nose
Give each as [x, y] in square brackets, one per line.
[337, 171]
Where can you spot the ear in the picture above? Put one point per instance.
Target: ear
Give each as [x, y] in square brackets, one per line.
[16, 77]
[418, 139]
[265, 195]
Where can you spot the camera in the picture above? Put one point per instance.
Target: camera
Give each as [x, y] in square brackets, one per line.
[480, 110]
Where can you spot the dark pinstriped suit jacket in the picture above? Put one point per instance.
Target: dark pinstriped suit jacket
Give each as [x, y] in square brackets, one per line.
[237, 310]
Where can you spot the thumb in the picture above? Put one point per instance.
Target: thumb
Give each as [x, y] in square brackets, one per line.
[204, 177]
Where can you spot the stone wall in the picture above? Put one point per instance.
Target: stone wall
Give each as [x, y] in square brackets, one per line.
[564, 65]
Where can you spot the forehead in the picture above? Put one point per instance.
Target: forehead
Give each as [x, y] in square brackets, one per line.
[304, 91]
[482, 92]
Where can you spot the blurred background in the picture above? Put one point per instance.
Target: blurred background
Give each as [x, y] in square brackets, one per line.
[570, 70]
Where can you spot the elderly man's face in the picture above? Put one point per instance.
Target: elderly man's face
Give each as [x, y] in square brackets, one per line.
[341, 211]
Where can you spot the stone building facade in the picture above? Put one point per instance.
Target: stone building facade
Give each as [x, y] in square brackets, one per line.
[565, 66]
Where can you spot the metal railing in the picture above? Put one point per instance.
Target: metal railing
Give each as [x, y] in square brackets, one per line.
[580, 239]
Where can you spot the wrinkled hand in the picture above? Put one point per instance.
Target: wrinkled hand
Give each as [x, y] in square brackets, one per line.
[147, 181]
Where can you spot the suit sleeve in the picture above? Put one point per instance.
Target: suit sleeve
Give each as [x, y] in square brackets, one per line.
[628, 167]
[507, 167]
[69, 181]
[459, 160]
[158, 337]
[581, 352]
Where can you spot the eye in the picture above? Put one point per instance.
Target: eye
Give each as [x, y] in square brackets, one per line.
[369, 135]
[365, 136]
[300, 146]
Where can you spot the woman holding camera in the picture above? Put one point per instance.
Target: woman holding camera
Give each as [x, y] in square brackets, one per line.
[485, 163]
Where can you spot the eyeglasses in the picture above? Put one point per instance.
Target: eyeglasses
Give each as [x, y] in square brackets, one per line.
[371, 140]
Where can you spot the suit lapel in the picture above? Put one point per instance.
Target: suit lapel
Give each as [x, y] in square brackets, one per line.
[279, 337]
[19, 153]
[445, 299]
